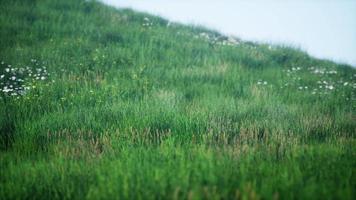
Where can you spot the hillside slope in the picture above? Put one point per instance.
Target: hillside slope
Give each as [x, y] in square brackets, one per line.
[100, 103]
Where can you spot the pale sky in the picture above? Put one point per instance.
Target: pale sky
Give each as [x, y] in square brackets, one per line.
[323, 28]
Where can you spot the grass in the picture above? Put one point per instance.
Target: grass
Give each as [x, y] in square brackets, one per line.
[115, 104]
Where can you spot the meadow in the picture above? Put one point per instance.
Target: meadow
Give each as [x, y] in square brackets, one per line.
[101, 103]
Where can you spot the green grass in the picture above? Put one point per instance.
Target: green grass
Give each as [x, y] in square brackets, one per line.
[122, 110]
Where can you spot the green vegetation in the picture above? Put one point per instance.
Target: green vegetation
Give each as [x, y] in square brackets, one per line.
[98, 103]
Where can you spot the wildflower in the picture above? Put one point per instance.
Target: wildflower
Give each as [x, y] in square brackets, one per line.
[13, 78]
[300, 87]
[330, 87]
[265, 83]
[2, 76]
[43, 78]
[346, 83]
[6, 90]
[2, 62]
[319, 71]
[7, 70]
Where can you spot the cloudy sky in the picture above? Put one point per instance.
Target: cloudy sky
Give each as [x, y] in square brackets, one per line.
[324, 28]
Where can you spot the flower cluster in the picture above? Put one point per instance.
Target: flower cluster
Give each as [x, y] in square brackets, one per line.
[327, 80]
[147, 22]
[260, 82]
[321, 71]
[17, 81]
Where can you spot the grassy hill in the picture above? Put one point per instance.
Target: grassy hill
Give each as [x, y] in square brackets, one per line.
[99, 103]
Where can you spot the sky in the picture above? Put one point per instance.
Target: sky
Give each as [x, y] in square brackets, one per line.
[323, 28]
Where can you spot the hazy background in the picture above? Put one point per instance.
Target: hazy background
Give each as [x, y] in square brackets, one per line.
[324, 28]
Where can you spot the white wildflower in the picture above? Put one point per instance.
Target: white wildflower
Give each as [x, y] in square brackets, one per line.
[330, 87]
[6, 89]
[319, 71]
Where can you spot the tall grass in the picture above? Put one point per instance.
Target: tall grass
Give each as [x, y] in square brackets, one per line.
[125, 105]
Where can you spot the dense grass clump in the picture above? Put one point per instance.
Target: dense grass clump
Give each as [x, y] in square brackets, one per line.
[98, 103]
